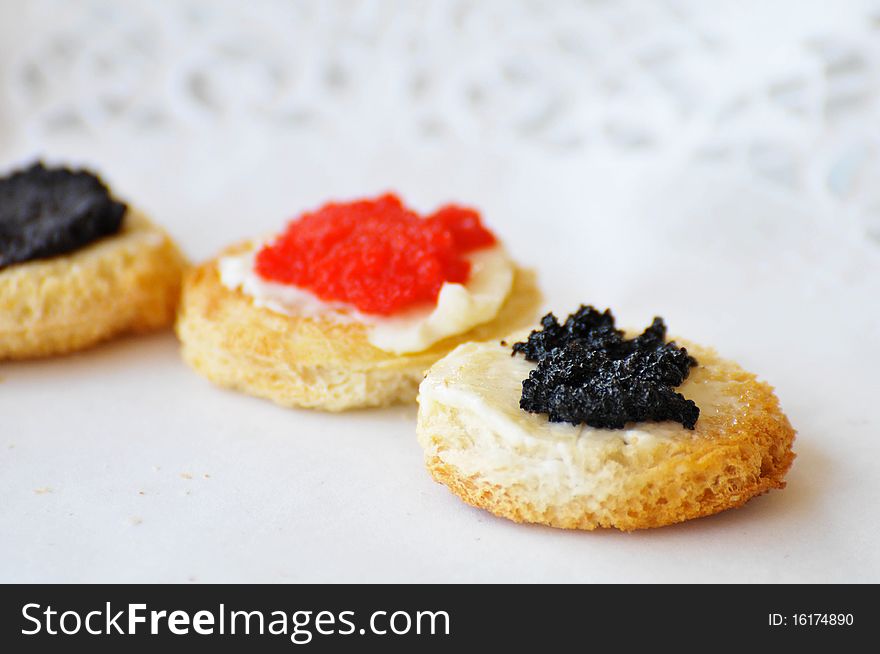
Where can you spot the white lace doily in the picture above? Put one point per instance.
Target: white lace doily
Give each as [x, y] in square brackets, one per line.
[795, 104]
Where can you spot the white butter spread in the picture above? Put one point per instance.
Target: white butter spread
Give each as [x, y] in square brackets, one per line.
[459, 307]
[508, 446]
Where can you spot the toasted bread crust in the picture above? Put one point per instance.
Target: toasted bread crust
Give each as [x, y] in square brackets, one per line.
[731, 457]
[128, 282]
[308, 362]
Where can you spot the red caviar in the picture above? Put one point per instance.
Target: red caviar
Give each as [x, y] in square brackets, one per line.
[377, 255]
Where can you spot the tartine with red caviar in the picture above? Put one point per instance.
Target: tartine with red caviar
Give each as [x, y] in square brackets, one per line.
[351, 303]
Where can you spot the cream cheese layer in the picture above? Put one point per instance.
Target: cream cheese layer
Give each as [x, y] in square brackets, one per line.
[459, 307]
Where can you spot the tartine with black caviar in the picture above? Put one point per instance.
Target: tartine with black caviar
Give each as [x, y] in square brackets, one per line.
[78, 266]
[580, 425]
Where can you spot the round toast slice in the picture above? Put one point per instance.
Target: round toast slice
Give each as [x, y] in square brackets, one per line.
[518, 465]
[125, 283]
[311, 362]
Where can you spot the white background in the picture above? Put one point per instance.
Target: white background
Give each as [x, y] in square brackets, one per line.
[715, 163]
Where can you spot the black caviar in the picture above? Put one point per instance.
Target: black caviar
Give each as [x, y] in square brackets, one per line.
[45, 212]
[588, 372]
